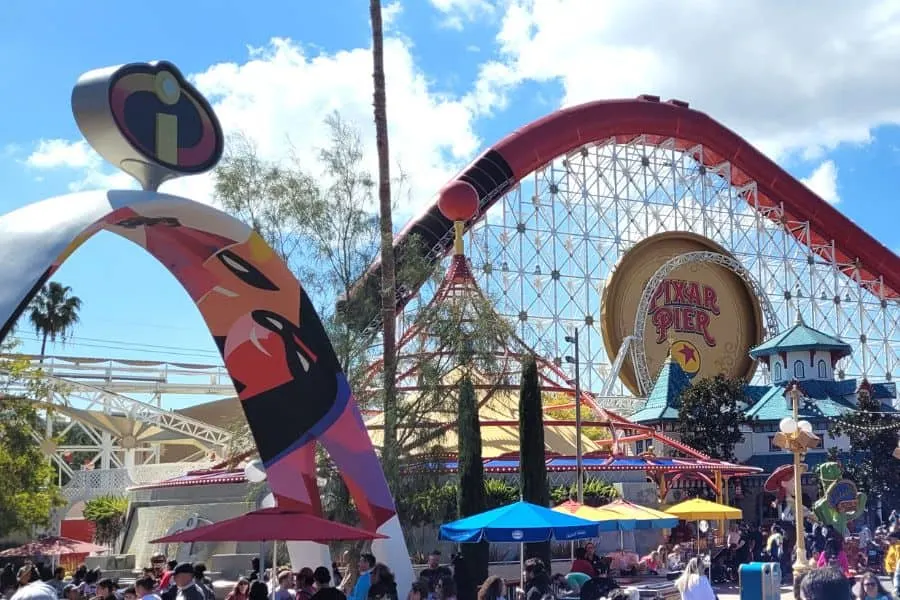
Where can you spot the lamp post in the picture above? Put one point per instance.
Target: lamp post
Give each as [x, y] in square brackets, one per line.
[573, 339]
[797, 436]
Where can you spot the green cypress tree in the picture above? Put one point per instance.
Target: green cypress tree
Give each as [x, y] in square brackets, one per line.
[532, 465]
[472, 498]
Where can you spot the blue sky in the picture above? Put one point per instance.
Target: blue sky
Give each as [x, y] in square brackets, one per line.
[462, 73]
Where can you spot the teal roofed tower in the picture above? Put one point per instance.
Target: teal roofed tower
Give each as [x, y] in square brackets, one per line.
[799, 338]
[801, 353]
[664, 399]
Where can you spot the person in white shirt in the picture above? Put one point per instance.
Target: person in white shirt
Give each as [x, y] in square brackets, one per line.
[673, 560]
[693, 584]
[734, 536]
[36, 590]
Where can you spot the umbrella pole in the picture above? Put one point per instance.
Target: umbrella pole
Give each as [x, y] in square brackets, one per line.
[522, 567]
[274, 568]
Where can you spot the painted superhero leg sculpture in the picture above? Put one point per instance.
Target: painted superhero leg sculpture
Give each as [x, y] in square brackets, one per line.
[275, 348]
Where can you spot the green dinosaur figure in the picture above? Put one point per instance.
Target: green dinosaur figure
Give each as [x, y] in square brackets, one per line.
[830, 474]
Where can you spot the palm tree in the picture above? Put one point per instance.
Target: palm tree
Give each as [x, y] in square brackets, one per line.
[54, 313]
[388, 268]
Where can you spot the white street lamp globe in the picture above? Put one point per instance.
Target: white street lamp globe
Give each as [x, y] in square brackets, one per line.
[787, 425]
[255, 472]
[268, 501]
[805, 426]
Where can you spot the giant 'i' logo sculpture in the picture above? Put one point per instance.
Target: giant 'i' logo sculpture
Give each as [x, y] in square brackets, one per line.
[147, 120]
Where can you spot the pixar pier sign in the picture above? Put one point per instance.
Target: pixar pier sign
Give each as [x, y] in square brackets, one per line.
[680, 306]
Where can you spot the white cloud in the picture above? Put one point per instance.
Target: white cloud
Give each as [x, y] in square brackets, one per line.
[790, 77]
[823, 181]
[82, 160]
[56, 153]
[390, 12]
[280, 97]
[458, 12]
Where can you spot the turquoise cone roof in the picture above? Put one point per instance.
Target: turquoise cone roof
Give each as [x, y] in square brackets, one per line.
[801, 337]
[663, 402]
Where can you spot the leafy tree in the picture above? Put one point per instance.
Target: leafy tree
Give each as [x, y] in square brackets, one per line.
[107, 513]
[388, 264]
[323, 228]
[471, 475]
[457, 336]
[28, 494]
[532, 455]
[278, 201]
[53, 313]
[597, 492]
[873, 437]
[711, 414]
[499, 492]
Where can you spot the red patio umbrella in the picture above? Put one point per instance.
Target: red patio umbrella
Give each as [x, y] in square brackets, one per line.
[52, 546]
[272, 524]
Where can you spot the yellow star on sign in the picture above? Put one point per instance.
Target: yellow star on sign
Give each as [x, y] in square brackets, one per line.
[686, 355]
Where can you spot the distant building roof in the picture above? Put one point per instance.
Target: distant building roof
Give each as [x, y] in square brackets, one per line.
[200, 477]
[821, 399]
[663, 402]
[801, 337]
[603, 461]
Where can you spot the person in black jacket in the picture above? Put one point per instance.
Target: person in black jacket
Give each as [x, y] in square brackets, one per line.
[383, 587]
[600, 586]
[435, 571]
[203, 582]
[185, 587]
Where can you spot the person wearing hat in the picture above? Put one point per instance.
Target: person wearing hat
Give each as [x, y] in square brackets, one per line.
[71, 592]
[434, 571]
[185, 587]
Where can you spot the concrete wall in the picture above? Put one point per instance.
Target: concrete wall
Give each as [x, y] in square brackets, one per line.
[155, 512]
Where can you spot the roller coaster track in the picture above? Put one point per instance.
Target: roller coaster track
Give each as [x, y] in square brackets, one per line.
[769, 189]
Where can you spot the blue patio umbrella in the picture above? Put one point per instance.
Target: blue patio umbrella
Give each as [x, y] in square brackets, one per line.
[522, 522]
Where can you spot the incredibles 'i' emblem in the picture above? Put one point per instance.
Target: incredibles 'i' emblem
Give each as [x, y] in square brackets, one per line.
[168, 91]
[148, 120]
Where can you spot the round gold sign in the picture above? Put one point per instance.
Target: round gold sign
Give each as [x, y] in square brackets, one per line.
[703, 313]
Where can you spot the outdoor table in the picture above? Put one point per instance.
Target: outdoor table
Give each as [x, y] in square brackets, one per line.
[661, 590]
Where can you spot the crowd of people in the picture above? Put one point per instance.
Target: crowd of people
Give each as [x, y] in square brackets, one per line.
[833, 576]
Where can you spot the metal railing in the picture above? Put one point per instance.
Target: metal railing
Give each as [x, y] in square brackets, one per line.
[101, 482]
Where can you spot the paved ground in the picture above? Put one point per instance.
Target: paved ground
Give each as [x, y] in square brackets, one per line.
[733, 593]
[510, 571]
[787, 592]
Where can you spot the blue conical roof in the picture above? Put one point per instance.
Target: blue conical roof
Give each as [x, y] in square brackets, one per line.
[801, 337]
[663, 402]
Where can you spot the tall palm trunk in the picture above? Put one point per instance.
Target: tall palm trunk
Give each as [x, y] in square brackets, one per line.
[44, 346]
[388, 268]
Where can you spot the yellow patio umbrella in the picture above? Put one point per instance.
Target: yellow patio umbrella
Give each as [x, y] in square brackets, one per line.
[698, 509]
[598, 514]
[644, 516]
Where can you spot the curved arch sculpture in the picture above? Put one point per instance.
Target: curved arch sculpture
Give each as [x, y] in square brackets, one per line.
[291, 387]
[503, 165]
[146, 119]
